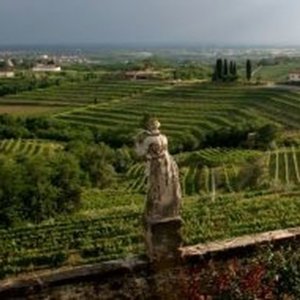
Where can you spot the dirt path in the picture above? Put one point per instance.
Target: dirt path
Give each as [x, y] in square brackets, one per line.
[282, 86]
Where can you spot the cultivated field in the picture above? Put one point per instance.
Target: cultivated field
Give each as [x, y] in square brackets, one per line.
[29, 110]
[195, 107]
[82, 93]
[181, 107]
[28, 147]
[216, 171]
[110, 228]
[277, 72]
[228, 192]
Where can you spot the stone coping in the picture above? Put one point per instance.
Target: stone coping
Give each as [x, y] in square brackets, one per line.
[240, 242]
[65, 275]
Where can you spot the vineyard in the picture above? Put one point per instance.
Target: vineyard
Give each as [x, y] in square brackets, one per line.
[284, 166]
[82, 240]
[227, 192]
[182, 108]
[218, 170]
[82, 93]
[113, 231]
[28, 147]
[195, 108]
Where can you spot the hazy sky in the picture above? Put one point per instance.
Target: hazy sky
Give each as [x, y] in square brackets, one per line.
[150, 21]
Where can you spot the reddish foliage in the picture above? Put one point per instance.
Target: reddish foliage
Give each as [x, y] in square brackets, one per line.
[230, 278]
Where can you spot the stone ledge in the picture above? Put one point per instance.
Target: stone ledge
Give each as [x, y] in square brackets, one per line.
[240, 242]
[67, 275]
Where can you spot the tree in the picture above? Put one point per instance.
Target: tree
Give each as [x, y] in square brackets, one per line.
[225, 68]
[66, 177]
[11, 190]
[248, 69]
[266, 134]
[234, 71]
[214, 74]
[40, 197]
[219, 69]
[52, 186]
[38, 188]
[224, 71]
[97, 162]
[123, 159]
[231, 67]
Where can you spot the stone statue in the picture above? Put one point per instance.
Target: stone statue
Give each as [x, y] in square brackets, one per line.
[164, 193]
[162, 222]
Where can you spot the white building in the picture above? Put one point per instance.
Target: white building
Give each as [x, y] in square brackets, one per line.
[7, 74]
[46, 68]
[142, 75]
[294, 76]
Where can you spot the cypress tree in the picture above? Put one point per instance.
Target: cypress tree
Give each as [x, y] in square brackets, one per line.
[234, 69]
[231, 67]
[219, 69]
[214, 74]
[248, 69]
[225, 68]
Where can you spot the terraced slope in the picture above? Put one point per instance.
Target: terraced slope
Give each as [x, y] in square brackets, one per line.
[181, 107]
[28, 147]
[196, 107]
[81, 240]
[284, 166]
[216, 171]
[79, 94]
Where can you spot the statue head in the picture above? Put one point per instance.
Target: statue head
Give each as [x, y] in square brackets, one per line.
[151, 124]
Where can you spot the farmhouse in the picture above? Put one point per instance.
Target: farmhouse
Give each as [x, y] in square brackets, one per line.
[46, 68]
[6, 69]
[294, 76]
[142, 75]
[7, 73]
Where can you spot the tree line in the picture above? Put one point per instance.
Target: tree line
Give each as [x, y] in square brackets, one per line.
[27, 84]
[224, 71]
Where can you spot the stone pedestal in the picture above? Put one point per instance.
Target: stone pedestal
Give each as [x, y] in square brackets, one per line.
[163, 240]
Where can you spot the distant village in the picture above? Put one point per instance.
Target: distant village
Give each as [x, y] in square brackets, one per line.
[47, 63]
[10, 64]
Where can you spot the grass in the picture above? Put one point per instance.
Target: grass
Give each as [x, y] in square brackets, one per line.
[276, 72]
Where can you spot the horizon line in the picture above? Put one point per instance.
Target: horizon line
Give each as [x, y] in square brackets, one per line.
[147, 44]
